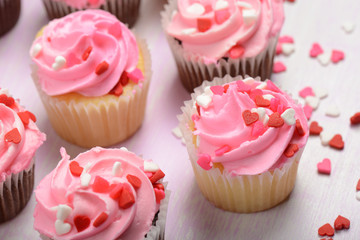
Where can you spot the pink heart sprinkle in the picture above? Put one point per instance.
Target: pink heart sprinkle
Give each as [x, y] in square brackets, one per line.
[316, 50]
[221, 15]
[286, 39]
[337, 56]
[217, 90]
[308, 111]
[204, 161]
[278, 49]
[306, 91]
[242, 87]
[258, 129]
[274, 102]
[135, 75]
[280, 109]
[279, 67]
[324, 167]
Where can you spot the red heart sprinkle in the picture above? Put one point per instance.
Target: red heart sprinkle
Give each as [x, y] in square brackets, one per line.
[299, 128]
[100, 219]
[124, 79]
[159, 186]
[279, 67]
[157, 176]
[101, 68]
[217, 90]
[221, 151]
[274, 103]
[126, 198]
[255, 92]
[134, 181]
[75, 168]
[291, 149]
[324, 166]
[159, 194]
[24, 117]
[358, 186]
[249, 117]
[337, 56]
[116, 191]
[314, 128]
[226, 87]
[316, 50]
[242, 87]
[32, 116]
[355, 119]
[326, 229]
[337, 142]
[236, 52]
[261, 101]
[13, 136]
[81, 222]
[275, 120]
[100, 185]
[203, 24]
[117, 90]
[8, 101]
[341, 223]
[221, 15]
[86, 53]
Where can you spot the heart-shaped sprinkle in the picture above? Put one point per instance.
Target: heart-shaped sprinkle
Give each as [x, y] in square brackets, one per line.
[81, 222]
[159, 194]
[221, 151]
[236, 52]
[258, 129]
[86, 53]
[341, 223]
[62, 228]
[24, 117]
[124, 79]
[299, 128]
[35, 51]
[355, 119]
[261, 102]
[63, 211]
[312, 101]
[221, 16]
[101, 68]
[287, 48]
[326, 229]
[291, 149]
[308, 111]
[306, 91]
[289, 116]
[205, 162]
[358, 186]
[263, 85]
[8, 101]
[157, 176]
[150, 166]
[324, 167]
[248, 80]
[314, 128]
[217, 90]
[275, 120]
[135, 75]
[159, 186]
[221, 4]
[116, 191]
[100, 219]
[195, 9]
[279, 67]
[117, 90]
[337, 142]
[242, 86]
[116, 169]
[337, 55]
[278, 50]
[13, 136]
[249, 16]
[320, 93]
[59, 63]
[134, 181]
[126, 198]
[255, 92]
[203, 100]
[85, 179]
[286, 39]
[325, 137]
[348, 26]
[203, 24]
[100, 185]
[274, 103]
[332, 111]
[316, 50]
[260, 111]
[249, 117]
[324, 58]
[75, 168]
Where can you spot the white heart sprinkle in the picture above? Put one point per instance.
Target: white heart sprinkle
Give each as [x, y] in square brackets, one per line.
[332, 111]
[325, 137]
[348, 26]
[243, 4]
[203, 100]
[36, 50]
[289, 116]
[358, 195]
[268, 96]
[177, 133]
[85, 179]
[324, 58]
[249, 80]
[59, 63]
[62, 228]
[150, 166]
[207, 91]
[196, 9]
[249, 16]
[117, 170]
[287, 48]
[312, 102]
[188, 31]
[262, 85]
[124, 149]
[63, 211]
[221, 4]
[320, 92]
[260, 111]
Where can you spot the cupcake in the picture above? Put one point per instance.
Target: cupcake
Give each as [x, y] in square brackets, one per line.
[9, 14]
[127, 11]
[19, 140]
[244, 139]
[93, 76]
[102, 194]
[213, 38]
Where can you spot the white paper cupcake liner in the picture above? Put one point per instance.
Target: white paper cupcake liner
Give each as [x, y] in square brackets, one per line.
[101, 122]
[193, 70]
[15, 192]
[127, 11]
[9, 14]
[247, 193]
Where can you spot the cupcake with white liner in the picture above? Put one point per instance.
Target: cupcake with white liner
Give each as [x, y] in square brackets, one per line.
[213, 38]
[244, 139]
[19, 140]
[102, 194]
[93, 76]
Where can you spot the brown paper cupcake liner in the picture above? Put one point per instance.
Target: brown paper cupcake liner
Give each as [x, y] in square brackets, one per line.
[193, 70]
[9, 14]
[15, 193]
[127, 11]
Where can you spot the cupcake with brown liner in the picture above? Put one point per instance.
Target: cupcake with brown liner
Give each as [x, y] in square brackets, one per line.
[19, 140]
[93, 76]
[218, 37]
[127, 11]
[244, 139]
[102, 194]
[9, 14]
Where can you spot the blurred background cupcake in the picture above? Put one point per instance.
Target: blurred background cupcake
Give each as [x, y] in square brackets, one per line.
[93, 76]
[213, 38]
[127, 11]
[19, 140]
[9, 14]
[244, 139]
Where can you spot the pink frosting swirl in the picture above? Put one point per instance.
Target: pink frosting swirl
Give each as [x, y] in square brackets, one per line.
[71, 52]
[62, 187]
[16, 157]
[253, 148]
[246, 23]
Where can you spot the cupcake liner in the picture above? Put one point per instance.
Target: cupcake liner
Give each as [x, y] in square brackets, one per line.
[9, 14]
[247, 193]
[127, 11]
[15, 192]
[193, 70]
[101, 121]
